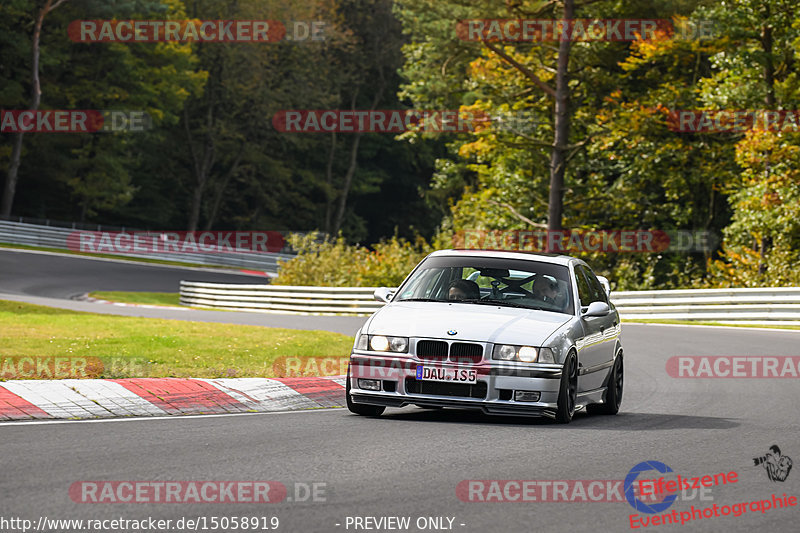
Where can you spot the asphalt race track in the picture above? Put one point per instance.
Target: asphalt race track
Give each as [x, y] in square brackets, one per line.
[66, 276]
[51, 279]
[408, 463]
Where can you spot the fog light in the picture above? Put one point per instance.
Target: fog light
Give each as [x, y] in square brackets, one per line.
[370, 384]
[526, 396]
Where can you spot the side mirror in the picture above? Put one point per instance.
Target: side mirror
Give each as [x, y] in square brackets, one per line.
[383, 294]
[597, 309]
[606, 285]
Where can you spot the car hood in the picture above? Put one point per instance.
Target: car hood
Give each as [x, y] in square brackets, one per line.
[483, 323]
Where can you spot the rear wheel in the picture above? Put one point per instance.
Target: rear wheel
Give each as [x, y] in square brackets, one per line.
[360, 408]
[568, 392]
[613, 393]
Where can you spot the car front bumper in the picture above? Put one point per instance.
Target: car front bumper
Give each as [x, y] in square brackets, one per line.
[494, 392]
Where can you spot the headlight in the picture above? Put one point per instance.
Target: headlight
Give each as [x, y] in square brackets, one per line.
[398, 344]
[525, 354]
[505, 352]
[381, 343]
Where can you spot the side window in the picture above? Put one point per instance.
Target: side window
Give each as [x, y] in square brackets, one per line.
[584, 290]
[425, 284]
[600, 292]
[596, 291]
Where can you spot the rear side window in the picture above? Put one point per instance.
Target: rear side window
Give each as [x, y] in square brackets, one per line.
[584, 290]
[595, 291]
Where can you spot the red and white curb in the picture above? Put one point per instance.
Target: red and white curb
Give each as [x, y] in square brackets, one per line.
[106, 398]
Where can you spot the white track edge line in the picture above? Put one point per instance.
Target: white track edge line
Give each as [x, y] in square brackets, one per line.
[739, 328]
[169, 417]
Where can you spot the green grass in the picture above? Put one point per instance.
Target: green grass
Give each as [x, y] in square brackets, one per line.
[114, 256]
[149, 298]
[148, 347]
[696, 323]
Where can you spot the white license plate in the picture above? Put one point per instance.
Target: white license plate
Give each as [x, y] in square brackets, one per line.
[447, 375]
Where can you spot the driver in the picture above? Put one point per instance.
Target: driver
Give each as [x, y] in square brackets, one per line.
[463, 289]
[545, 290]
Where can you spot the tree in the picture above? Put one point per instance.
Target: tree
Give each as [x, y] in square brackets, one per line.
[226, 128]
[36, 97]
[759, 72]
[366, 75]
[95, 168]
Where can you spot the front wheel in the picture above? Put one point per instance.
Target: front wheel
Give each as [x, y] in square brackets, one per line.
[568, 392]
[360, 408]
[613, 392]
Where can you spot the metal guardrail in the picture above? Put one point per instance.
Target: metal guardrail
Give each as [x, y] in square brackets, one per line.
[56, 237]
[289, 299]
[767, 305]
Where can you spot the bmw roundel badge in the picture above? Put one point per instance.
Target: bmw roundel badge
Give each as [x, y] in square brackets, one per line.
[451, 332]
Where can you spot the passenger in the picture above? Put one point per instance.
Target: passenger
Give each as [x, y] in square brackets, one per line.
[463, 289]
[545, 290]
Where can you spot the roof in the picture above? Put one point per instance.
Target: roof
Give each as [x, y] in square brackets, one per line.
[557, 259]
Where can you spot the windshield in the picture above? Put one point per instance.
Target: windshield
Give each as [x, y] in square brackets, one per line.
[490, 281]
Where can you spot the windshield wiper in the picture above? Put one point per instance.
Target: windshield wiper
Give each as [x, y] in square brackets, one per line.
[506, 303]
[420, 300]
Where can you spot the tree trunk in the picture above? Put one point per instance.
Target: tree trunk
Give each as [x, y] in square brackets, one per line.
[194, 213]
[348, 180]
[351, 168]
[11, 179]
[329, 181]
[217, 201]
[558, 155]
[36, 96]
[769, 100]
[201, 168]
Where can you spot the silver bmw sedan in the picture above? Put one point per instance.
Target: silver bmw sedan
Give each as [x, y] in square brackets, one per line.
[509, 333]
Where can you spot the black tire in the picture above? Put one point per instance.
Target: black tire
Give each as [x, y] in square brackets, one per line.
[613, 400]
[360, 408]
[568, 392]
